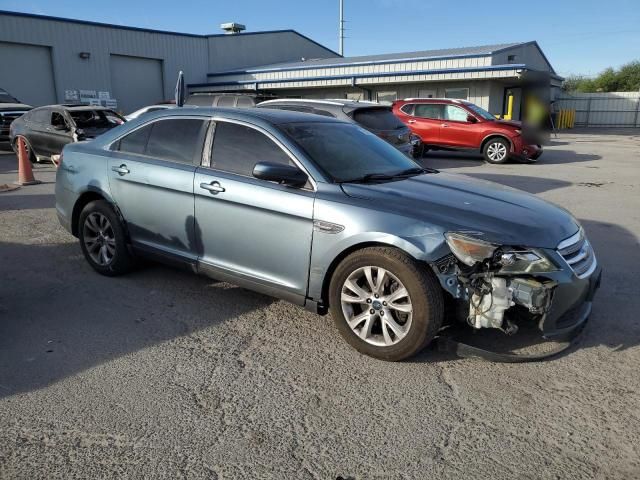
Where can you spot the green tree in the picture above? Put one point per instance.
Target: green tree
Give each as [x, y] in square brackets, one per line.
[624, 79]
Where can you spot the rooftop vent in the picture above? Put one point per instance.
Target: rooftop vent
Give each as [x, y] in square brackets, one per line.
[232, 27]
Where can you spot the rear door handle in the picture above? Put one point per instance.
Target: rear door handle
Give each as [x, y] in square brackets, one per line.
[213, 187]
[444, 125]
[121, 170]
[411, 121]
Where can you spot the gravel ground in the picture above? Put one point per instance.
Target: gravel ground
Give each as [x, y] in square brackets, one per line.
[162, 374]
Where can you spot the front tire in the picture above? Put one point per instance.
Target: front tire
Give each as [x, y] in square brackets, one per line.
[103, 239]
[496, 150]
[385, 304]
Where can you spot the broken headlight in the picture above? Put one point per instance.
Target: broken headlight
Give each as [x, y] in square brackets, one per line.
[525, 261]
[469, 250]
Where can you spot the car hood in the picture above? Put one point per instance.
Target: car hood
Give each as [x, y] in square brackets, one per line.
[510, 123]
[455, 202]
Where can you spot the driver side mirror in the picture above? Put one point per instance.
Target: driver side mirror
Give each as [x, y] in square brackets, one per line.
[277, 172]
[472, 119]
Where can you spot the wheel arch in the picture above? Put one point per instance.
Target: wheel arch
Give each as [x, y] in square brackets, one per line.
[491, 136]
[402, 245]
[88, 196]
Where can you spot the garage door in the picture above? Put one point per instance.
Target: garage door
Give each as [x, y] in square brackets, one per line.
[136, 82]
[27, 73]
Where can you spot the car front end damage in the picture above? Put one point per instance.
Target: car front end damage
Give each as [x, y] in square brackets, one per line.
[497, 286]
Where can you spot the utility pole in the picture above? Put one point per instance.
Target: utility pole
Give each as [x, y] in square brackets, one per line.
[341, 29]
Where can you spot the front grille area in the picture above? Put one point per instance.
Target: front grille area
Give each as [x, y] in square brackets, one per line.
[578, 254]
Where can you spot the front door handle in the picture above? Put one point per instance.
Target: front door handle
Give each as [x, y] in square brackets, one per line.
[213, 187]
[411, 121]
[121, 170]
[444, 125]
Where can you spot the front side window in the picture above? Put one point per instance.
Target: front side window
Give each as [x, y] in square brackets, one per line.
[176, 140]
[347, 152]
[237, 149]
[456, 114]
[57, 120]
[434, 111]
[480, 111]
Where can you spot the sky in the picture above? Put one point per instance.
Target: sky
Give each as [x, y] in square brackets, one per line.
[579, 37]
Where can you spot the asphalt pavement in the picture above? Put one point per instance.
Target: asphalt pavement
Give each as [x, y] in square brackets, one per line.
[164, 374]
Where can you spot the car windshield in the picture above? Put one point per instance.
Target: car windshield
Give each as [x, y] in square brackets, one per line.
[6, 98]
[87, 119]
[348, 152]
[480, 111]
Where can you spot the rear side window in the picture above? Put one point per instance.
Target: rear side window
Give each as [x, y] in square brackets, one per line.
[408, 108]
[324, 113]
[245, 102]
[429, 110]
[237, 149]
[176, 140]
[40, 116]
[377, 119]
[226, 101]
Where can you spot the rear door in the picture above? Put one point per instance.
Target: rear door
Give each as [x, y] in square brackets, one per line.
[427, 121]
[456, 130]
[36, 131]
[257, 232]
[151, 180]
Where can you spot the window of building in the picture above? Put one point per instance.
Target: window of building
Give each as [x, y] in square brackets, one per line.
[457, 114]
[429, 110]
[511, 58]
[388, 96]
[426, 93]
[237, 149]
[459, 93]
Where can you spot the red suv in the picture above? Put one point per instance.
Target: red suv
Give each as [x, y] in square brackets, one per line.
[450, 124]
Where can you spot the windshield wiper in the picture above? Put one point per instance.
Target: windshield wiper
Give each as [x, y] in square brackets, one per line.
[369, 177]
[415, 171]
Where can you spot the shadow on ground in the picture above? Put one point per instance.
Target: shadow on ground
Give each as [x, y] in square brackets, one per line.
[444, 159]
[58, 317]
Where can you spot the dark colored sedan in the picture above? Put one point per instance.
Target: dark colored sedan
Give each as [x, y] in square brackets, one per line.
[378, 119]
[46, 130]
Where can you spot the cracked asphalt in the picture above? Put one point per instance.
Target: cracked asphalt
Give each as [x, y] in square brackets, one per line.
[163, 374]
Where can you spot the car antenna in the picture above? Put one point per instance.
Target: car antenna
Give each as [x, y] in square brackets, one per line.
[180, 93]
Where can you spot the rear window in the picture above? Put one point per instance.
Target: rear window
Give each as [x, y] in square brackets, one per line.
[377, 119]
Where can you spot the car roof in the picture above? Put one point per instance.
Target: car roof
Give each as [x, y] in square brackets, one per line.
[335, 102]
[269, 115]
[431, 100]
[73, 107]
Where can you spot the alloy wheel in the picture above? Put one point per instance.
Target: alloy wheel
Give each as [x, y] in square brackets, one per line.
[99, 238]
[497, 151]
[376, 306]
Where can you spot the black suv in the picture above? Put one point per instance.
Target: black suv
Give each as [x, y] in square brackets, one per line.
[10, 109]
[46, 130]
[378, 119]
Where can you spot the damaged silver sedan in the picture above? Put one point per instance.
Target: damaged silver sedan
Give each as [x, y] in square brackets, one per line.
[326, 215]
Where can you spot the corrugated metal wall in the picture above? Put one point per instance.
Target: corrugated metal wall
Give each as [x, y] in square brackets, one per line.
[612, 109]
[67, 40]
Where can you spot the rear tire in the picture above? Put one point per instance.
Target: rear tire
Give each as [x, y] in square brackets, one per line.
[403, 322]
[103, 239]
[496, 150]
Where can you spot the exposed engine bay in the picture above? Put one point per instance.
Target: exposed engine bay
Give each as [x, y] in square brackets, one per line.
[494, 290]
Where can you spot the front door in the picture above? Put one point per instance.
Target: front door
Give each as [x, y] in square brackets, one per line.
[254, 232]
[456, 131]
[151, 174]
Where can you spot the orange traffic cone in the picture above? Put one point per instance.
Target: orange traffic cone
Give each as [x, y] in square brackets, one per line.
[25, 174]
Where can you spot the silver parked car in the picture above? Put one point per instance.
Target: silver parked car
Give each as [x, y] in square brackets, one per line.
[325, 214]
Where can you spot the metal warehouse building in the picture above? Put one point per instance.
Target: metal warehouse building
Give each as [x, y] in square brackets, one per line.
[49, 60]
